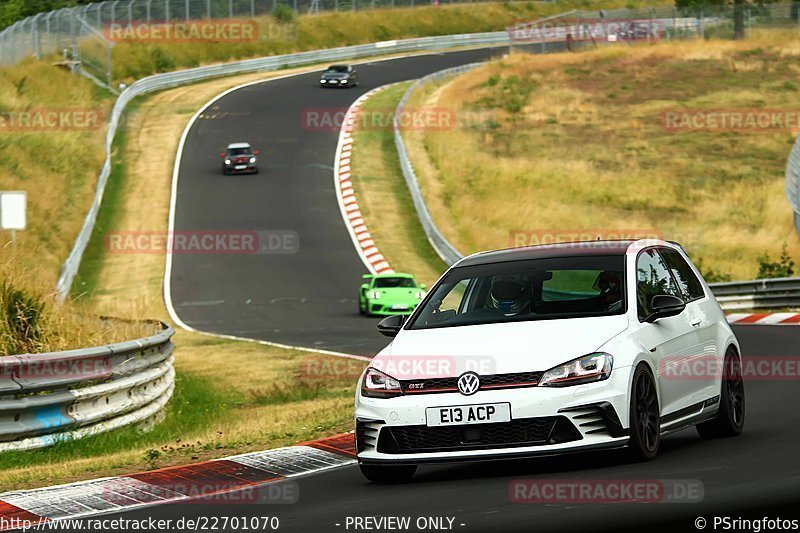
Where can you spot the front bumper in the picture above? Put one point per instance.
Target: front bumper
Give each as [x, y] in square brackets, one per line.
[334, 83]
[544, 421]
[382, 308]
[251, 169]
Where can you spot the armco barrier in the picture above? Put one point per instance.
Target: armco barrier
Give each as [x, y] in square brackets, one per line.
[53, 397]
[793, 182]
[756, 294]
[172, 79]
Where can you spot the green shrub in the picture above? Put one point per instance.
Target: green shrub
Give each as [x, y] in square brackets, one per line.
[711, 275]
[782, 268]
[284, 13]
[20, 321]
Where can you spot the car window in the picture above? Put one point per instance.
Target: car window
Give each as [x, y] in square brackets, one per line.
[238, 151]
[652, 278]
[390, 283]
[538, 289]
[690, 286]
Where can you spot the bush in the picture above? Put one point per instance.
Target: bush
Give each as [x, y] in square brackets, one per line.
[284, 13]
[20, 321]
[711, 275]
[782, 268]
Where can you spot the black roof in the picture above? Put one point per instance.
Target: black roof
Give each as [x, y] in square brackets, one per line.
[547, 251]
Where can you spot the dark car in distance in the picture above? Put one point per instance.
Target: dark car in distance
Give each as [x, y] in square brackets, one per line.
[239, 158]
[339, 76]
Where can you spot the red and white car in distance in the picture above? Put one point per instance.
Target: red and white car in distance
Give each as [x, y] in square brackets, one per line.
[546, 350]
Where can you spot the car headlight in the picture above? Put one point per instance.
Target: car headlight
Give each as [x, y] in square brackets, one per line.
[376, 384]
[227, 161]
[323, 81]
[586, 369]
[374, 294]
[252, 159]
[419, 295]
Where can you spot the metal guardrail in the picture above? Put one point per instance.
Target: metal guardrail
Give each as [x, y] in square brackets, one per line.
[158, 82]
[440, 244]
[61, 396]
[755, 294]
[773, 293]
[793, 182]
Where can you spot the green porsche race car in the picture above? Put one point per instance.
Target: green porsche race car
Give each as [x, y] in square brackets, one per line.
[389, 294]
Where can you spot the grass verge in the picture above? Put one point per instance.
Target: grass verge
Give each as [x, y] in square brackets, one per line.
[383, 196]
[231, 397]
[551, 147]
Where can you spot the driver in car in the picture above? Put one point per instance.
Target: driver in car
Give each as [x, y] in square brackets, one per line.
[609, 284]
[511, 294]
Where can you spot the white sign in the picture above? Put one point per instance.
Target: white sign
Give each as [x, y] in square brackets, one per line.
[12, 210]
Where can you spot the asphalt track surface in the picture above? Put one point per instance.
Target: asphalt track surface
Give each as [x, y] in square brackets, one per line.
[308, 299]
[756, 474]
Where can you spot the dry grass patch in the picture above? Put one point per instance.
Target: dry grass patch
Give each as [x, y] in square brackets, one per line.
[383, 196]
[575, 142]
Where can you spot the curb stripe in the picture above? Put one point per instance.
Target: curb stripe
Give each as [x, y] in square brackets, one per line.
[195, 482]
[764, 319]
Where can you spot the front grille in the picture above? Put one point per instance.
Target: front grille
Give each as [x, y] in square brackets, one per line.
[522, 432]
[492, 381]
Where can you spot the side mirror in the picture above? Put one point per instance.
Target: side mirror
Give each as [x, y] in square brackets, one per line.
[390, 326]
[222, 154]
[366, 276]
[256, 152]
[665, 305]
[422, 286]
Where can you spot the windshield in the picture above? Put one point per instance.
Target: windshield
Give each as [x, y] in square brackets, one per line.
[538, 289]
[238, 151]
[337, 68]
[390, 283]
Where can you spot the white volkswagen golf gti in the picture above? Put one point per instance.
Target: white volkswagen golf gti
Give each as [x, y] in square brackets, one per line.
[550, 349]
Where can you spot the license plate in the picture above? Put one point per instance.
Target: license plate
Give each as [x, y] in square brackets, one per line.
[399, 307]
[240, 167]
[458, 415]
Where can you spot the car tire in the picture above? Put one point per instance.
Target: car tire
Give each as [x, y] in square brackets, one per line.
[361, 308]
[729, 420]
[645, 416]
[388, 474]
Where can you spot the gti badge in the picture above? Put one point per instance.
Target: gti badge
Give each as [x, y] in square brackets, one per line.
[468, 383]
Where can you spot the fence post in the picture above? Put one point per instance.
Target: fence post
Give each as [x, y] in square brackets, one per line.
[130, 12]
[230, 9]
[186, 10]
[166, 11]
[702, 25]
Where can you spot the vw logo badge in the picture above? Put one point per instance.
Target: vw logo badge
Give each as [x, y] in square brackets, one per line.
[468, 383]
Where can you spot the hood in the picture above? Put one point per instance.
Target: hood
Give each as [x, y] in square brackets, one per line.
[496, 348]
